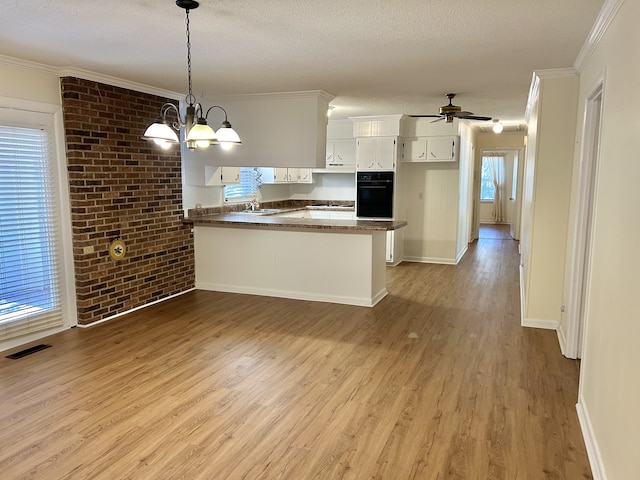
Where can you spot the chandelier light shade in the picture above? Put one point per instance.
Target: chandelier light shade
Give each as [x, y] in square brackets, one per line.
[196, 131]
[202, 134]
[497, 126]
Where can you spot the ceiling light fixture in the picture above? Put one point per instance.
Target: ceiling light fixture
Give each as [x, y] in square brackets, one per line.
[197, 132]
[497, 126]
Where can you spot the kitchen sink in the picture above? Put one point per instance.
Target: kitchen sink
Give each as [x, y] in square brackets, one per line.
[260, 211]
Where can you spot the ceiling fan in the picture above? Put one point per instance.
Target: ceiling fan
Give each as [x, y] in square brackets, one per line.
[451, 111]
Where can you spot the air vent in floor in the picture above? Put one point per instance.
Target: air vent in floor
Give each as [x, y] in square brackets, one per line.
[27, 351]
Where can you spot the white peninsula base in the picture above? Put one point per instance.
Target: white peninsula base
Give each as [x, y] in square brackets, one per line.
[338, 266]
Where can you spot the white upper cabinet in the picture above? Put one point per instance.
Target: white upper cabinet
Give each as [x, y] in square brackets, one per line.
[271, 175]
[442, 149]
[341, 152]
[415, 149]
[221, 175]
[431, 149]
[376, 153]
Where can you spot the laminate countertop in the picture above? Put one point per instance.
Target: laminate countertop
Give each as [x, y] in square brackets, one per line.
[276, 221]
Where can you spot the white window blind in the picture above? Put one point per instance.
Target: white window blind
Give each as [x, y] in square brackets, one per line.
[248, 187]
[30, 270]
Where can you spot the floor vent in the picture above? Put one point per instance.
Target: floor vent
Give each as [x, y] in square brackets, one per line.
[27, 351]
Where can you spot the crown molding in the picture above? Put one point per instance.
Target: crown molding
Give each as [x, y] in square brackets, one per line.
[554, 73]
[605, 17]
[88, 75]
[321, 94]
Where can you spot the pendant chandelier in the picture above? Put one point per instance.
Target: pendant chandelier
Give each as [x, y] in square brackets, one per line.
[197, 133]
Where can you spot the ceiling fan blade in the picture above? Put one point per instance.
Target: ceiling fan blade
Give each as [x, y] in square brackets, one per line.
[474, 117]
[461, 114]
[425, 116]
[438, 120]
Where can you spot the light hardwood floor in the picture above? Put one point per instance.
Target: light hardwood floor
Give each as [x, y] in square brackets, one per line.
[438, 381]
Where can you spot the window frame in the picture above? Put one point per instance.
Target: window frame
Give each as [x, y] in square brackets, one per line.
[32, 114]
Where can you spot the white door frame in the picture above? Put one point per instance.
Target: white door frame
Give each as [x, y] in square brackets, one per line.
[583, 222]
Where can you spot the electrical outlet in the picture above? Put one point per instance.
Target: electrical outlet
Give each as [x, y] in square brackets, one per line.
[87, 250]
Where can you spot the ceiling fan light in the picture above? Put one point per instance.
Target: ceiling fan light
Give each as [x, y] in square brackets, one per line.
[497, 126]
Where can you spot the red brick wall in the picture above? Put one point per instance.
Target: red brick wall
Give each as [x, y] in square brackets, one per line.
[122, 187]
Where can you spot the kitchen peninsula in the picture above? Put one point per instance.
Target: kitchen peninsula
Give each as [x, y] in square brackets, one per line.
[278, 253]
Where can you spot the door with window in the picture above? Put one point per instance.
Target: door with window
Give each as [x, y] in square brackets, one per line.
[499, 185]
[34, 295]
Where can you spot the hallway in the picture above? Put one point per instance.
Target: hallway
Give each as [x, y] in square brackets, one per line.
[438, 381]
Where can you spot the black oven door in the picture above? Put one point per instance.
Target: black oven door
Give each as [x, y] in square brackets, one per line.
[374, 195]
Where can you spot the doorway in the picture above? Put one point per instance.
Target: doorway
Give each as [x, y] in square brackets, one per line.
[498, 193]
[582, 237]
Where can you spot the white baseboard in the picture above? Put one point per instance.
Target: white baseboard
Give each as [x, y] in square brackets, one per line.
[97, 322]
[593, 452]
[521, 294]
[562, 340]
[443, 261]
[357, 301]
[540, 323]
[461, 254]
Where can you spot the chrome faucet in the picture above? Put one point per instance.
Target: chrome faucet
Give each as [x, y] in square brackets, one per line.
[252, 205]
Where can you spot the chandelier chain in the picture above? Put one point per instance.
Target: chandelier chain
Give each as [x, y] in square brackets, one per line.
[190, 97]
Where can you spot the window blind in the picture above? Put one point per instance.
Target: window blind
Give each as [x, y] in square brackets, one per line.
[30, 270]
[248, 187]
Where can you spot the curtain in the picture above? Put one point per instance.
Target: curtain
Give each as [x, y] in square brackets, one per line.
[496, 165]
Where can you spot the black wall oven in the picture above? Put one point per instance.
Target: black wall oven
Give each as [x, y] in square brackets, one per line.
[374, 195]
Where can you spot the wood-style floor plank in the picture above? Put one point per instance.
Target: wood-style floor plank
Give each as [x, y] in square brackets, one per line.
[438, 381]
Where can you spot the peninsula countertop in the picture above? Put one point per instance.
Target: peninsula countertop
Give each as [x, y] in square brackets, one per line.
[276, 219]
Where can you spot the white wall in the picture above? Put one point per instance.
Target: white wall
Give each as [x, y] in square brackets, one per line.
[431, 206]
[610, 382]
[32, 84]
[326, 186]
[546, 197]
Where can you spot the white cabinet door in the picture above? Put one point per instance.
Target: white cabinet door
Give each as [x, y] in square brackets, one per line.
[271, 175]
[341, 152]
[442, 149]
[230, 175]
[303, 175]
[366, 153]
[221, 175]
[415, 149]
[281, 175]
[386, 153]
[376, 153]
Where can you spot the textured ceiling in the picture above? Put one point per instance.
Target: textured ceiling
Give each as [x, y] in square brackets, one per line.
[376, 57]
